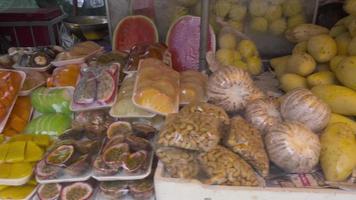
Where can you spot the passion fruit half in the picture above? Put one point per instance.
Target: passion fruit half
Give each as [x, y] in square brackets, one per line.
[79, 166]
[77, 191]
[144, 130]
[46, 171]
[119, 128]
[138, 143]
[60, 155]
[142, 189]
[114, 189]
[102, 169]
[135, 161]
[115, 155]
[49, 191]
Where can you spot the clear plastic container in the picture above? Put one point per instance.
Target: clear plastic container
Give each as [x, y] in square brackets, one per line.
[156, 87]
[192, 87]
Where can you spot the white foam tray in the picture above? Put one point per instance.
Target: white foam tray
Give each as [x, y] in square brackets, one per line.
[178, 189]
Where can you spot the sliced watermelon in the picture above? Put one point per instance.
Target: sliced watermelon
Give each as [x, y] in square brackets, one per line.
[183, 41]
[132, 30]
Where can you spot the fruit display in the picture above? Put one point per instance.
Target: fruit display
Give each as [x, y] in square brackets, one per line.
[52, 100]
[53, 124]
[124, 107]
[142, 51]
[185, 53]
[232, 88]
[19, 117]
[17, 192]
[206, 109]
[96, 121]
[10, 84]
[158, 94]
[192, 87]
[64, 76]
[241, 54]
[293, 147]
[33, 80]
[134, 30]
[96, 88]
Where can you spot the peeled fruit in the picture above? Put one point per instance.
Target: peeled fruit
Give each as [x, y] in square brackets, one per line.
[346, 71]
[292, 81]
[301, 47]
[257, 8]
[302, 64]
[259, 24]
[335, 118]
[342, 100]
[304, 32]
[335, 61]
[237, 12]
[343, 41]
[247, 48]
[33, 152]
[350, 7]
[291, 7]
[352, 47]
[338, 147]
[273, 12]
[254, 65]
[222, 8]
[278, 27]
[227, 41]
[322, 47]
[279, 65]
[225, 56]
[321, 78]
[296, 20]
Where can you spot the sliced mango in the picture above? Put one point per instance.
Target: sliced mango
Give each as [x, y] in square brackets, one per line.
[2, 187]
[21, 137]
[3, 152]
[2, 138]
[32, 181]
[5, 170]
[20, 170]
[33, 152]
[42, 140]
[16, 152]
[18, 192]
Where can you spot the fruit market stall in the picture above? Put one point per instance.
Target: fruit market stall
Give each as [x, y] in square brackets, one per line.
[142, 122]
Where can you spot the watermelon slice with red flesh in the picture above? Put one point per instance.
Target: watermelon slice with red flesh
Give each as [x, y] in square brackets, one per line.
[133, 30]
[183, 41]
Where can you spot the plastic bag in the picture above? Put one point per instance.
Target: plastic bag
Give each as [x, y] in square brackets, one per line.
[194, 131]
[246, 141]
[208, 109]
[96, 121]
[225, 167]
[178, 163]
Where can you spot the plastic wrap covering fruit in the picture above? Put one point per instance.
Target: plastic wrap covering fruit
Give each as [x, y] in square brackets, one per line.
[96, 121]
[78, 51]
[51, 100]
[192, 87]
[195, 131]
[96, 88]
[156, 87]
[53, 124]
[10, 84]
[124, 107]
[19, 117]
[64, 76]
[142, 51]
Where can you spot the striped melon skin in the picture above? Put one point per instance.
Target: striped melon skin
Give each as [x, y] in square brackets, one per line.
[232, 88]
[303, 106]
[293, 147]
[263, 114]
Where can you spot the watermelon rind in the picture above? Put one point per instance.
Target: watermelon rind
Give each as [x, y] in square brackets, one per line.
[128, 18]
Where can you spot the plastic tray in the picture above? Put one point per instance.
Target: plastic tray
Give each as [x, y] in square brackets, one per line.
[4, 121]
[39, 69]
[94, 106]
[15, 182]
[124, 176]
[98, 195]
[65, 178]
[76, 60]
[28, 92]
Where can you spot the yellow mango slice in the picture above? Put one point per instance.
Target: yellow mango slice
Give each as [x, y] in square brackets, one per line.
[33, 152]
[5, 170]
[3, 152]
[16, 152]
[20, 170]
[42, 140]
[18, 192]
